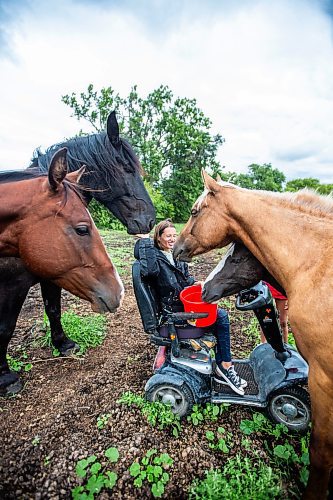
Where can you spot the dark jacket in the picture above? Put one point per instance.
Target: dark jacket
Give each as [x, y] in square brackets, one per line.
[167, 280]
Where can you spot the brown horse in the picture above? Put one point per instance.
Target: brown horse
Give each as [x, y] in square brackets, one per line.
[292, 238]
[44, 221]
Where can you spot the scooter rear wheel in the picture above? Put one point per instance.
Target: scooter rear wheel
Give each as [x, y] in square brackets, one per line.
[290, 406]
[179, 397]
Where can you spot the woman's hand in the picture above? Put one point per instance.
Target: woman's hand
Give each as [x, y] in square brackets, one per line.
[141, 235]
[198, 283]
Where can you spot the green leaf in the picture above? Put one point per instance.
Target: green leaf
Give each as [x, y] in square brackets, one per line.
[95, 483]
[138, 482]
[95, 468]
[112, 454]
[111, 479]
[135, 469]
[157, 489]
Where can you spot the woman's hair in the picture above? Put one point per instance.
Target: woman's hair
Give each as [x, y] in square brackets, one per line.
[159, 228]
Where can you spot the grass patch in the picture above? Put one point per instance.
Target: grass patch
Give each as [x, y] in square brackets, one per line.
[86, 331]
[240, 478]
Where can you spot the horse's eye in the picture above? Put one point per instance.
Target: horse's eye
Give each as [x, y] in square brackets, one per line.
[194, 212]
[82, 230]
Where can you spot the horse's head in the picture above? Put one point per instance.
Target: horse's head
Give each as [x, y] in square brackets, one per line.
[208, 227]
[237, 270]
[125, 194]
[112, 177]
[59, 240]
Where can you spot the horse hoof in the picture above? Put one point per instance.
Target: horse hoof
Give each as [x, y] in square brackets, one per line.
[68, 350]
[10, 384]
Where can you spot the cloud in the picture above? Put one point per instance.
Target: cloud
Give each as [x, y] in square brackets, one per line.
[262, 76]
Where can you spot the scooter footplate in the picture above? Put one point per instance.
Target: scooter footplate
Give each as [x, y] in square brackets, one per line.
[245, 371]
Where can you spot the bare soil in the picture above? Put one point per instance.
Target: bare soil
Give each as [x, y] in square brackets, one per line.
[51, 423]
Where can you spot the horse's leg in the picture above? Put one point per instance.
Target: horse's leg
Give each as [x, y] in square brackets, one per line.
[52, 301]
[12, 296]
[321, 442]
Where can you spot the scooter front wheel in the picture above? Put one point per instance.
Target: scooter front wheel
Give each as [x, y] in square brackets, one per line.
[290, 406]
[180, 398]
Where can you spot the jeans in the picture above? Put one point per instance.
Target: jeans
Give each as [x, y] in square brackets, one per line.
[222, 332]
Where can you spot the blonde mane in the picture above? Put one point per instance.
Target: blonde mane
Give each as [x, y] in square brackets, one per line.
[306, 200]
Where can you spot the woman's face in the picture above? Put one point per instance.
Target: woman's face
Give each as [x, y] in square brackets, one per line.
[167, 238]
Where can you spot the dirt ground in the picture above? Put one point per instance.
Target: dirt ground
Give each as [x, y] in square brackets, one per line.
[51, 424]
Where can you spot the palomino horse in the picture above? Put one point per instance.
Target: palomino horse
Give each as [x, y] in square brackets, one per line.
[292, 238]
[44, 221]
[112, 177]
[238, 269]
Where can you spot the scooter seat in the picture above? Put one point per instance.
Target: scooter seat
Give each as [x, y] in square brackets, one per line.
[185, 333]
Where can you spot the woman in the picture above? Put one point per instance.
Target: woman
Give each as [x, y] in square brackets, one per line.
[168, 279]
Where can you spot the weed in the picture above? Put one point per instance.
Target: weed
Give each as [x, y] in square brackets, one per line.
[286, 453]
[102, 420]
[240, 478]
[96, 479]
[210, 412]
[36, 440]
[252, 330]
[157, 414]
[87, 331]
[260, 423]
[221, 441]
[20, 363]
[153, 470]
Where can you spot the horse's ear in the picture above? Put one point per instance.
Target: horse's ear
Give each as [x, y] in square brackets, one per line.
[218, 178]
[58, 168]
[75, 176]
[209, 182]
[112, 129]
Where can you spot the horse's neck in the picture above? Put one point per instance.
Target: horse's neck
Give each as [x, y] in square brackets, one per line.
[15, 205]
[283, 239]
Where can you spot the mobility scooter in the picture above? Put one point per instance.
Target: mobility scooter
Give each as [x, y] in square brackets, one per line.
[275, 372]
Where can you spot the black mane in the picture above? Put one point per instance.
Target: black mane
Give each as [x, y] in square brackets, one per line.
[96, 152]
[19, 175]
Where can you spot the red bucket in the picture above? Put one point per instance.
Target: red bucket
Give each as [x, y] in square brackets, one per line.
[192, 300]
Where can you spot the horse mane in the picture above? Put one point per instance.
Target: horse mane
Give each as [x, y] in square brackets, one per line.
[96, 152]
[306, 200]
[22, 175]
[19, 175]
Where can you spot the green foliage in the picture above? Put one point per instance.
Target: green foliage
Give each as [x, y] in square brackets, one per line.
[259, 177]
[240, 478]
[252, 330]
[152, 470]
[310, 183]
[20, 363]
[164, 208]
[171, 136]
[201, 413]
[260, 423]
[87, 331]
[157, 414]
[286, 453]
[221, 441]
[102, 420]
[103, 218]
[96, 478]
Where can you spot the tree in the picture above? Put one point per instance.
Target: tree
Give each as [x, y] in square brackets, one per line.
[258, 177]
[297, 184]
[311, 183]
[171, 136]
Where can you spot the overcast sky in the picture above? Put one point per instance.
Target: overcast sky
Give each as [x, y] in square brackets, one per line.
[262, 70]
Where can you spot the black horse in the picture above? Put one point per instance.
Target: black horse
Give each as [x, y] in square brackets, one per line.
[239, 269]
[112, 177]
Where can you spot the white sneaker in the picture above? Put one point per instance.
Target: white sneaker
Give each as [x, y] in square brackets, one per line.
[218, 371]
[232, 379]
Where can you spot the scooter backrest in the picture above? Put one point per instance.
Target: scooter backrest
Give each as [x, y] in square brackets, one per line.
[145, 299]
